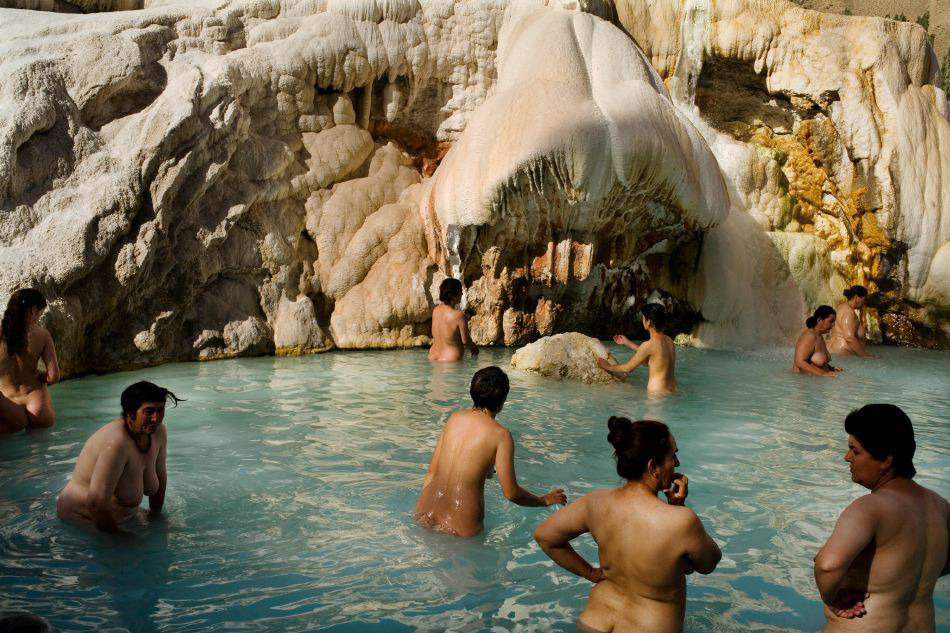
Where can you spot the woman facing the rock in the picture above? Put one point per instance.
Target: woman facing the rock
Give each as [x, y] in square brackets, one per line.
[646, 546]
[24, 396]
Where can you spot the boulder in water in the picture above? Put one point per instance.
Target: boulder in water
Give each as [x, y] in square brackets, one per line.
[569, 356]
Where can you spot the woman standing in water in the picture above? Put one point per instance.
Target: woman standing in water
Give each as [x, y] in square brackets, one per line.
[645, 546]
[659, 352]
[848, 334]
[24, 396]
[121, 463]
[811, 353]
[449, 326]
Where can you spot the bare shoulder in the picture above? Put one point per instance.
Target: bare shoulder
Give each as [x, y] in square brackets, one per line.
[39, 336]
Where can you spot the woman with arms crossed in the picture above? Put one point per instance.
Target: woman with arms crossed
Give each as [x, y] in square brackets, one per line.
[646, 547]
[878, 570]
[24, 396]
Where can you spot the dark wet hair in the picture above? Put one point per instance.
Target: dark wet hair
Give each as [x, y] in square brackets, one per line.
[821, 313]
[450, 290]
[489, 388]
[144, 391]
[23, 623]
[855, 291]
[884, 429]
[636, 443]
[13, 328]
[655, 314]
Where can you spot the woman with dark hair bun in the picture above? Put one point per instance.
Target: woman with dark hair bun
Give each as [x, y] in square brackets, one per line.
[848, 334]
[811, 353]
[645, 546]
[24, 396]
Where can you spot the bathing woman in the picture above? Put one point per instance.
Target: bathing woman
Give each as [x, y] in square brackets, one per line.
[449, 326]
[24, 396]
[877, 572]
[811, 353]
[121, 463]
[471, 443]
[848, 333]
[658, 352]
[645, 546]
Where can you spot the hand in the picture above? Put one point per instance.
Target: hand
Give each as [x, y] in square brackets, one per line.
[555, 496]
[838, 368]
[620, 339]
[596, 575]
[830, 374]
[679, 488]
[603, 363]
[849, 603]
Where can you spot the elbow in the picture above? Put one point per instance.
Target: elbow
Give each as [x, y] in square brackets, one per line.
[709, 566]
[511, 495]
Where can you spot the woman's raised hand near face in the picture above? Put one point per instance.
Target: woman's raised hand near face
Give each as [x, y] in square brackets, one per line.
[678, 490]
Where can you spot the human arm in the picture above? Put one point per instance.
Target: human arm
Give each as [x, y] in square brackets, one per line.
[620, 339]
[110, 464]
[465, 336]
[804, 349]
[157, 500]
[702, 551]
[853, 532]
[555, 534]
[642, 355]
[49, 359]
[505, 467]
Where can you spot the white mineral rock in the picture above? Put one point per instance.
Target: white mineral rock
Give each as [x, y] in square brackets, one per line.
[569, 356]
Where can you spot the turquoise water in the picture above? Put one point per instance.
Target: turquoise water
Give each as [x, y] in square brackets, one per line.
[292, 482]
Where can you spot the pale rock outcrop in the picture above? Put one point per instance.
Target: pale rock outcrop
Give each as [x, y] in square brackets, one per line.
[569, 356]
[848, 133]
[212, 178]
[575, 168]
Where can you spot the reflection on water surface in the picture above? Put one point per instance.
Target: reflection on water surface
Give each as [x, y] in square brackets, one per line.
[292, 481]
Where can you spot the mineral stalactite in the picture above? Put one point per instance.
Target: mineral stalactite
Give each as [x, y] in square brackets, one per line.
[209, 179]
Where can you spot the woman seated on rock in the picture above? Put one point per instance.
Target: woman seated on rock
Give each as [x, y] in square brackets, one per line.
[645, 546]
[24, 396]
[120, 463]
[658, 352]
[848, 334]
[449, 325]
[811, 353]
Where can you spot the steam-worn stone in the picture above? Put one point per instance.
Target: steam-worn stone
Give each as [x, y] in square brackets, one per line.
[569, 356]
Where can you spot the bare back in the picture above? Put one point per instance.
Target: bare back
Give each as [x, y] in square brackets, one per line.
[18, 374]
[111, 466]
[662, 364]
[644, 547]
[908, 552]
[448, 327]
[24, 397]
[453, 494]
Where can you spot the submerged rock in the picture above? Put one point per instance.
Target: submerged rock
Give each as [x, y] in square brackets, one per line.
[569, 356]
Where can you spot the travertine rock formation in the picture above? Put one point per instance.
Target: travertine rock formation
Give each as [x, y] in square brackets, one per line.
[569, 356]
[206, 179]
